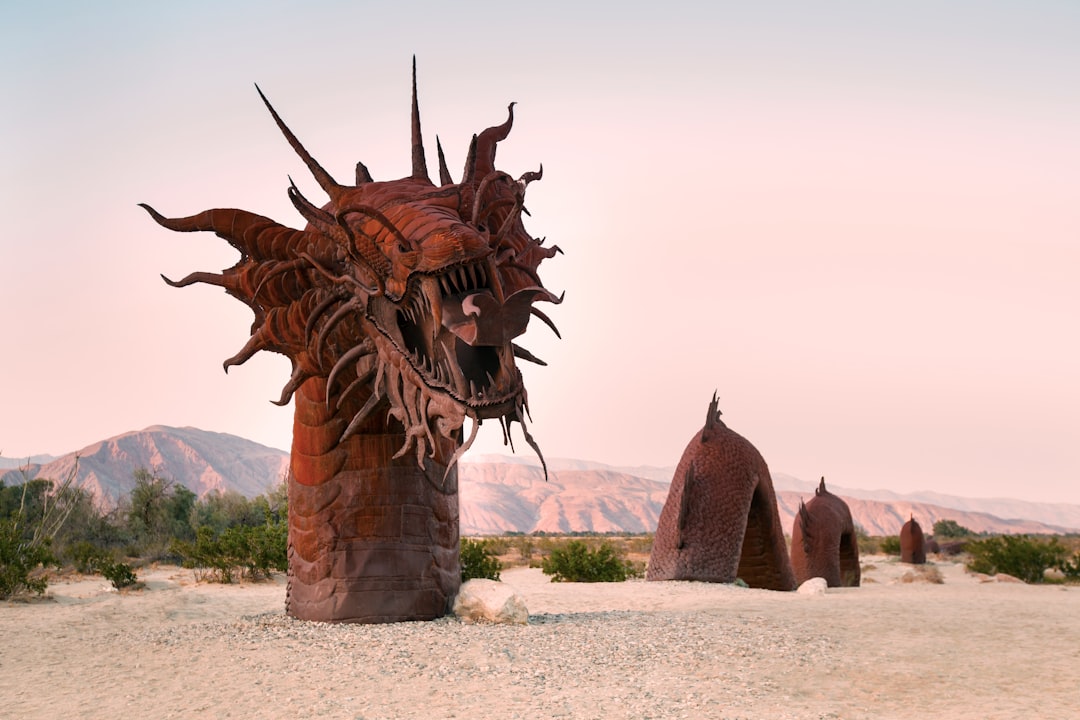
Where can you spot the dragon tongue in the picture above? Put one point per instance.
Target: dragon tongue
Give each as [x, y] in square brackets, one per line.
[480, 319]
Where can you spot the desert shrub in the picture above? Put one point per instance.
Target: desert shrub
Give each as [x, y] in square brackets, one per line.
[950, 529]
[576, 562]
[158, 511]
[641, 544]
[478, 560]
[890, 545]
[267, 549]
[251, 552]
[85, 556]
[120, 574]
[19, 559]
[525, 546]
[923, 574]
[27, 528]
[1021, 556]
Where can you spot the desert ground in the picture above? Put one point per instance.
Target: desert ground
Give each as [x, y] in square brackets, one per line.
[900, 646]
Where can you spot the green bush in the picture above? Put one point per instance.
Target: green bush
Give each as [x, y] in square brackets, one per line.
[950, 529]
[31, 514]
[575, 562]
[890, 545]
[121, 575]
[86, 557]
[478, 560]
[253, 551]
[1021, 556]
[19, 558]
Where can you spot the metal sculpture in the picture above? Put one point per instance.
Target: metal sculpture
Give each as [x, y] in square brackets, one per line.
[823, 541]
[912, 543]
[720, 521]
[399, 305]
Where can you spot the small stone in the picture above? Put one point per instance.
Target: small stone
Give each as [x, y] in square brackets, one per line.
[813, 586]
[490, 601]
[1004, 578]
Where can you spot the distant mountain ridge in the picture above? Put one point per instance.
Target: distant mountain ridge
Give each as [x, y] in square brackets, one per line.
[499, 497]
[202, 461]
[501, 494]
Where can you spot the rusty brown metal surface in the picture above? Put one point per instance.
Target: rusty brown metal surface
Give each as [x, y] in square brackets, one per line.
[400, 305]
[720, 521]
[912, 543]
[823, 541]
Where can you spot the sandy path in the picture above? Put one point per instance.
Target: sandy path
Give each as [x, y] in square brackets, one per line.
[962, 649]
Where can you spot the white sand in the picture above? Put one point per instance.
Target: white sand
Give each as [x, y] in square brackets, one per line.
[962, 649]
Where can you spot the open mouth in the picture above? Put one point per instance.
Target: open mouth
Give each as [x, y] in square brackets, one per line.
[452, 329]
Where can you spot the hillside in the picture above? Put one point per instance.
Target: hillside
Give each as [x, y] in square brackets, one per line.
[203, 461]
[508, 494]
[499, 497]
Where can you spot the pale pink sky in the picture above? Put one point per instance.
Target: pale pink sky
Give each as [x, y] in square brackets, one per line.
[859, 225]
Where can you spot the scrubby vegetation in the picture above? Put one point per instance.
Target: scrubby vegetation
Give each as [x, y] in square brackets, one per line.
[1024, 557]
[479, 559]
[31, 516]
[47, 524]
[950, 529]
[577, 562]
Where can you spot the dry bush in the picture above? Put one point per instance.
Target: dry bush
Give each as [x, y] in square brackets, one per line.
[923, 574]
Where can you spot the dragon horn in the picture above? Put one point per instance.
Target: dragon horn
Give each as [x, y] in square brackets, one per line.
[419, 163]
[444, 172]
[327, 183]
[486, 144]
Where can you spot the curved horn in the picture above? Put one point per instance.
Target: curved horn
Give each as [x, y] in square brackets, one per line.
[327, 183]
[488, 140]
[382, 220]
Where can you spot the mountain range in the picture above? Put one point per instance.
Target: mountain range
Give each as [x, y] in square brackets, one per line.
[501, 494]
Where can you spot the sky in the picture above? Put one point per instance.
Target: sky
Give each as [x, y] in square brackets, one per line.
[858, 223]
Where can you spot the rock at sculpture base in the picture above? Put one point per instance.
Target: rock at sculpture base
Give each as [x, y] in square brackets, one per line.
[813, 586]
[720, 521]
[912, 543]
[823, 542]
[482, 600]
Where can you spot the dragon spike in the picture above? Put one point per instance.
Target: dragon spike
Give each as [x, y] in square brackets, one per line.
[327, 183]
[419, 162]
[298, 378]
[462, 449]
[532, 442]
[469, 174]
[314, 215]
[486, 143]
[362, 174]
[712, 417]
[444, 173]
[532, 176]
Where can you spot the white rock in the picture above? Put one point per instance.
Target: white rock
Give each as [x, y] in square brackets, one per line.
[813, 586]
[490, 601]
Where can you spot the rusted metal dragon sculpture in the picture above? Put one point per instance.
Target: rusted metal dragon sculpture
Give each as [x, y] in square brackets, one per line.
[398, 305]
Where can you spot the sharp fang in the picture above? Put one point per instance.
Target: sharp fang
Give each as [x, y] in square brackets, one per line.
[520, 352]
[460, 384]
[359, 417]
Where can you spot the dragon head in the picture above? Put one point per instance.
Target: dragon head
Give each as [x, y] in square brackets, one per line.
[404, 297]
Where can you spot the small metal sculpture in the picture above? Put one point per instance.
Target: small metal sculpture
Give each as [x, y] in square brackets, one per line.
[912, 543]
[399, 306]
[823, 541]
[720, 521]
